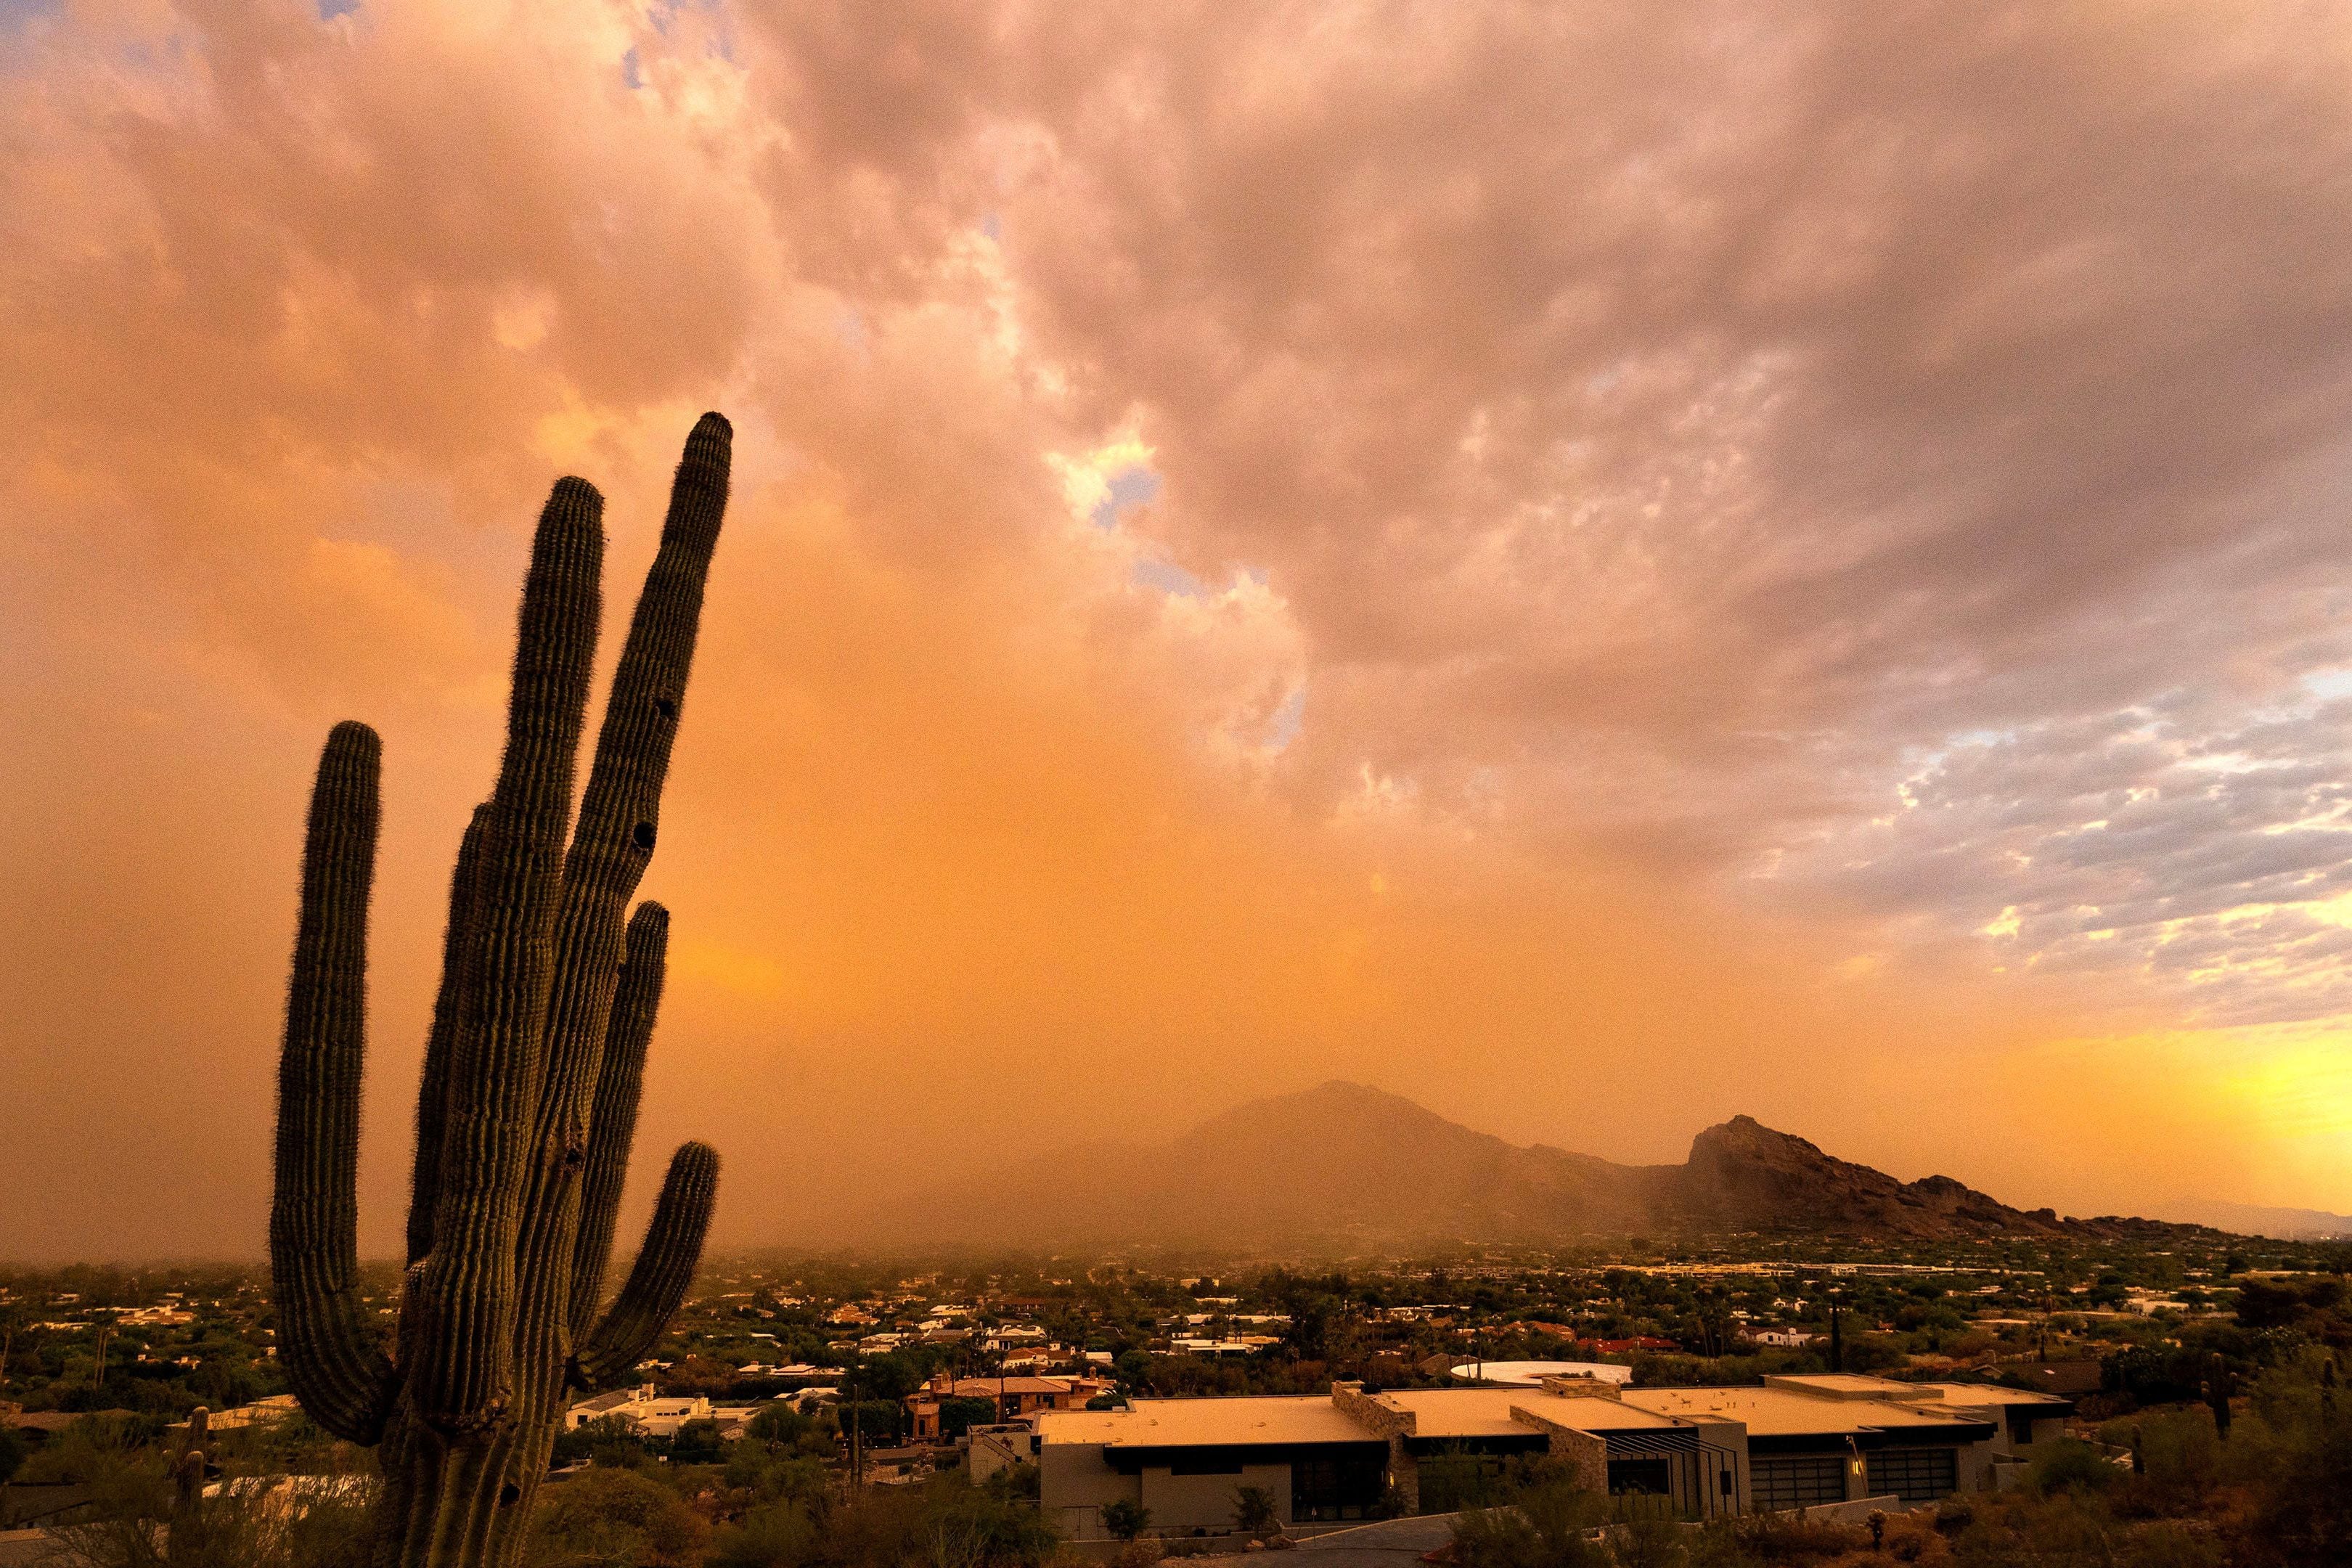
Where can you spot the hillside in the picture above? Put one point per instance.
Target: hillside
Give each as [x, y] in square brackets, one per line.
[1344, 1163]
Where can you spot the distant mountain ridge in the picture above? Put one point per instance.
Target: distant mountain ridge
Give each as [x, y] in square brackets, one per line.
[2259, 1220]
[1346, 1163]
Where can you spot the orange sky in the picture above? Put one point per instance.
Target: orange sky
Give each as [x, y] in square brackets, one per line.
[1596, 569]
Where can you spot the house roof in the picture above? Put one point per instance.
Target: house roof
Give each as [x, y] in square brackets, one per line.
[1206, 1423]
[618, 1398]
[2065, 1376]
[989, 1387]
[1486, 1411]
[1788, 1412]
[1979, 1395]
[1842, 1386]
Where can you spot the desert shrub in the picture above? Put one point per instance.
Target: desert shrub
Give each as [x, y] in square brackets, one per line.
[777, 1535]
[1772, 1538]
[697, 1442]
[958, 1416]
[1125, 1520]
[2181, 1459]
[775, 1476]
[2069, 1465]
[616, 1519]
[1549, 1522]
[612, 1441]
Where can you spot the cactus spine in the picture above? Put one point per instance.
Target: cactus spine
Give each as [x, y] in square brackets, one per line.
[532, 1069]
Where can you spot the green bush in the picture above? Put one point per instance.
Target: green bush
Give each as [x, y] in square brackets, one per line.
[2181, 1459]
[780, 1535]
[1125, 1520]
[2068, 1464]
[697, 1442]
[958, 1416]
[616, 1519]
[1548, 1524]
[612, 1441]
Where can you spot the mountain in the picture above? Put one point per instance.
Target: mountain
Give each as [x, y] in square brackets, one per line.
[1344, 1163]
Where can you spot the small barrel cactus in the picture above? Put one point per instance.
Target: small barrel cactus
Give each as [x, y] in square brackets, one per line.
[531, 1072]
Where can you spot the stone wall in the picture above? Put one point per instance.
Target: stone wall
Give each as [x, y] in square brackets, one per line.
[1382, 1417]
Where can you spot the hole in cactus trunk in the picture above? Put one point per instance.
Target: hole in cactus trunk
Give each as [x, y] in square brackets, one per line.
[509, 1494]
[645, 836]
[665, 707]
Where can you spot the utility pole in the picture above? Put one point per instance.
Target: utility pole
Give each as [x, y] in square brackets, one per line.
[856, 1430]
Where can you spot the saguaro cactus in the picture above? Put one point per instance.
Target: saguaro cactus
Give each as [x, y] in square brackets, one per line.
[531, 1072]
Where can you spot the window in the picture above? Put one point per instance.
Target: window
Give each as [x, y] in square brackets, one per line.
[1915, 1475]
[1797, 1480]
[1638, 1476]
[1450, 1482]
[1337, 1486]
[2020, 1426]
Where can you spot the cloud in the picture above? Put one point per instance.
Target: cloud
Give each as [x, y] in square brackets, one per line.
[1619, 565]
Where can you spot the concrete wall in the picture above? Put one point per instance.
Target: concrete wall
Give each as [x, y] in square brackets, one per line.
[1723, 1446]
[1181, 1504]
[1079, 1480]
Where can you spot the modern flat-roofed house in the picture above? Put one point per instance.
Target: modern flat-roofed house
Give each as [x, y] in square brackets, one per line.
[1794, 1442]
[1185, 1459]
[1456, 1438]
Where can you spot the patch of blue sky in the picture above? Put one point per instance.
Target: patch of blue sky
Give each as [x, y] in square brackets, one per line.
[1128, 487]
[1288, 720]
[1169, 578]
[632, 70]
[331, 9]
[993, 226]
[18, 15]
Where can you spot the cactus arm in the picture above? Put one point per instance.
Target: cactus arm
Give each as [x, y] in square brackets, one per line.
[664, 1270]
[463, 1373]
[432, 1090]
[621, 808]
[331, 1355]
[614, 1121]
[619, 814]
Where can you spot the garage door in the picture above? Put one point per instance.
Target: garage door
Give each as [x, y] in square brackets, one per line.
[1915, 1475]
[1794, 1480]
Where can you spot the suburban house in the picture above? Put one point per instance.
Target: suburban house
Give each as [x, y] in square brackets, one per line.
[645, 1408]
[1010, 1398]
[1795, 1442]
